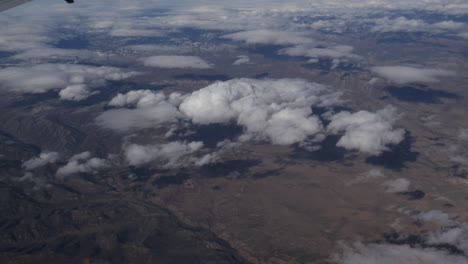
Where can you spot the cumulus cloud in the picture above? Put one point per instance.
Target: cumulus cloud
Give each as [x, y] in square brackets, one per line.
[406, 74]
[455, 236]
[274, 110]
[82, 163]
[76, 92]
[372, 174]
[43, 159]
[152, 109]
[242, 59]
[278, 111]
[435, 216]
[177, 61]
[463, 134]
[365, 131]
[170, 155]
[359, 253]
[397, 185]
[273, 37]
[44, 77]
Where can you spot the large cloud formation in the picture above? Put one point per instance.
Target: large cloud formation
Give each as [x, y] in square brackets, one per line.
[365, 131]
[277, 111]
[406, 74]
[274, 110]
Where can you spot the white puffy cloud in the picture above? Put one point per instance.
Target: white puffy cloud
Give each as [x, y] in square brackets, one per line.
[171, 155]
[144, 98]
[273, 37]
[43, 159]
[44, 77]
[463, 134]
[76, 92]
[152, 109]
[366, 131]
[397, 185]
[435, 216]
[242, 59]
[278, 111]
[406, 74]
[359, 253]
[274, 110]
[82, 163]
[177, 61]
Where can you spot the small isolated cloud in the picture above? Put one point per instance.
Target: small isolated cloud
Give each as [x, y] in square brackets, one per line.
[171, 155]
[397, 185]
[374, 174]
[82, 163]
[338, 51]
[177, 61]
[44, 77]
[463, 134]
[242, 59]
[406, 74]
[43, 159]
[435, 216]
[365, 131]
[76, 92]
[359, 253]
[463, 35]
[272, 37]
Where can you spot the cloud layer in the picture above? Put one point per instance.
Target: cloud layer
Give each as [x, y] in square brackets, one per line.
[44, 77]
[177, 61]
[406, 74]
